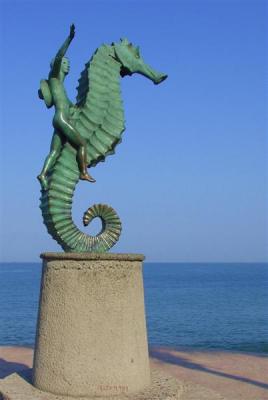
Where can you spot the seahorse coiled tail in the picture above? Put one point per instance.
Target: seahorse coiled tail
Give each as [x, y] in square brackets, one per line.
[98, 117]
[56, 206]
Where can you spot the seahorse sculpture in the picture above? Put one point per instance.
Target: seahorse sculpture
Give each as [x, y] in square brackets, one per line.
[85, 134]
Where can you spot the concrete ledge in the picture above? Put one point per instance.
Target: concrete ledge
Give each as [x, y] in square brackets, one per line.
[163, 387]
[92, 256]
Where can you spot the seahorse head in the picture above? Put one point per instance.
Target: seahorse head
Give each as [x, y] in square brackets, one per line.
[132, 62]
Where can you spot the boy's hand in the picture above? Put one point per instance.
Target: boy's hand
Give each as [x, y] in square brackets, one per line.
[72, 31]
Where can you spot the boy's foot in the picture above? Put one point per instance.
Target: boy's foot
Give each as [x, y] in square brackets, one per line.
[42, 179]
[87, 177]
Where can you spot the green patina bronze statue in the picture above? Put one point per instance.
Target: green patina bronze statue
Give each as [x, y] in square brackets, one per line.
[84, 134]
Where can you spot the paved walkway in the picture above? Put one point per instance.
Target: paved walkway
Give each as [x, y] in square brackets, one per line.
[206, 375]
[237, 376]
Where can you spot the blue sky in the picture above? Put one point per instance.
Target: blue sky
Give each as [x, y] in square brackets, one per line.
[189, 180]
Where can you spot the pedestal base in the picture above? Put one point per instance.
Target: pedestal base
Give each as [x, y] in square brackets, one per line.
[162, 387]
[91, 335]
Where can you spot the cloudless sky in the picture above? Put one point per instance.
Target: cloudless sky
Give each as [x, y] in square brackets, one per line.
[189, 180]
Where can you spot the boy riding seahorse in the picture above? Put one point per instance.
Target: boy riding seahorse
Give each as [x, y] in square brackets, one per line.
[53, 93]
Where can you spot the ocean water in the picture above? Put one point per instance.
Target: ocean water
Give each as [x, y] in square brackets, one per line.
[198, 306]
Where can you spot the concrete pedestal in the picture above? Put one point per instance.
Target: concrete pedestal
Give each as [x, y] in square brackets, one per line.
[91, 335]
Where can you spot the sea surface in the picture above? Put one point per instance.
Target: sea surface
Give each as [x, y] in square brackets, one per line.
[201, 306]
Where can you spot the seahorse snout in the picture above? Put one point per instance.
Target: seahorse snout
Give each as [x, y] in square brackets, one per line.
[149, 72]
[160, 79]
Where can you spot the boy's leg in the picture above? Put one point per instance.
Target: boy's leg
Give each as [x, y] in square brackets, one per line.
[55, 149]
[79, 143]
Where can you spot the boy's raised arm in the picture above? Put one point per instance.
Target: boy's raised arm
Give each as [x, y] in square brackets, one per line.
[61, 53]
